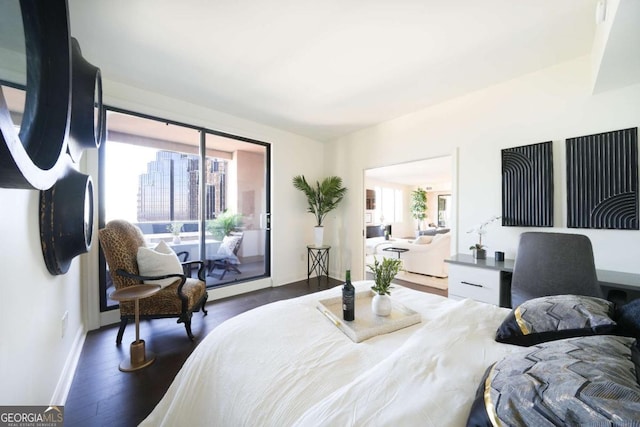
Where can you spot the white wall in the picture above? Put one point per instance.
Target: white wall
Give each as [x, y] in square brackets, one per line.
[33, 353]
[552, 104]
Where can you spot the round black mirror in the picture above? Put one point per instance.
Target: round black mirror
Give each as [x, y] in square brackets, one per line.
[33, 158]
[87, 118]
[66, 220]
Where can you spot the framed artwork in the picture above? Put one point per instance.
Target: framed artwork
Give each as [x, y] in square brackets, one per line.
[527, 185]
[602, 180]
[368, 218]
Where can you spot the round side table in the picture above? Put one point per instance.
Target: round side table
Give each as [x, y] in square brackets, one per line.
[138, 357]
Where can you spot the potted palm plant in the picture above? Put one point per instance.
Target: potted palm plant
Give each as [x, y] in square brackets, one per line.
[321, 199]
[419, 205]
[224, 224]
[383, 273]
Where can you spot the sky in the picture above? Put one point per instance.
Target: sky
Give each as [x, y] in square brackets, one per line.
[124, 163]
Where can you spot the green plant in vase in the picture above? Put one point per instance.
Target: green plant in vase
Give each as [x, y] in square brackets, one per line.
[175, 228]
[419, 205]
[478, 249]
[321, 199]
[384, 272]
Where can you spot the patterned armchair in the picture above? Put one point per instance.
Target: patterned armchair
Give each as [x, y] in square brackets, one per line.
[120, 241]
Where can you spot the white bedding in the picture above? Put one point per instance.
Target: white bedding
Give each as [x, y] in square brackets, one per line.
[286, 364]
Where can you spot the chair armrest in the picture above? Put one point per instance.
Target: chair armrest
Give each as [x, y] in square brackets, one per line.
[182, 277]
[188, 266]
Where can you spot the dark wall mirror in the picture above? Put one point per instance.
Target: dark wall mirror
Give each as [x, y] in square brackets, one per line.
[31, 157]
[13, 59]
[87, 115]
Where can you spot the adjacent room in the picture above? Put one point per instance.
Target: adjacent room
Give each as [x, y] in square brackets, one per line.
[199, 194]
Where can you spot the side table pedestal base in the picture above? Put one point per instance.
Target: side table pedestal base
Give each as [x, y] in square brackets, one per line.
[139, 358]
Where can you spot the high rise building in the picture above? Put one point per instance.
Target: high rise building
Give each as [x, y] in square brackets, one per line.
[168, 191]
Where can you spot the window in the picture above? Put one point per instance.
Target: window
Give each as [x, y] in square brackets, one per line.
[389, 202]
[153, 175]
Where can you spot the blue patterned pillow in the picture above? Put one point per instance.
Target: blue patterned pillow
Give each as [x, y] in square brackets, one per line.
[628, 319]
[576, 381]
[556, 317]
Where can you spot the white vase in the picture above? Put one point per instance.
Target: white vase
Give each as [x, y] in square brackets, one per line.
[176, 240]
[381, 305]
[318, 236]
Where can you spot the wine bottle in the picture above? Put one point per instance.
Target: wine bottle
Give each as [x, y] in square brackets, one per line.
[348, 299]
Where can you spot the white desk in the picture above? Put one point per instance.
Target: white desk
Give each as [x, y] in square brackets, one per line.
[489, 280]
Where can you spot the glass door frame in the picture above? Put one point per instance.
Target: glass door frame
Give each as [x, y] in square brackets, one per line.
[104, 307]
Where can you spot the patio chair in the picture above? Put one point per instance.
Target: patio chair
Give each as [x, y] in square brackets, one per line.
[227, 257]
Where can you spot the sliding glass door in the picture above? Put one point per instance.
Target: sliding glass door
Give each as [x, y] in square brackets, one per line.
[203, 193]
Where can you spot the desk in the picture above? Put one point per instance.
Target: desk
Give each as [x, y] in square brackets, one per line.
[138, 357]
[489, 280]
[318, 261]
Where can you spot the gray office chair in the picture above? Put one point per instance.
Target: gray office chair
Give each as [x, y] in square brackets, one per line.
[553, 264]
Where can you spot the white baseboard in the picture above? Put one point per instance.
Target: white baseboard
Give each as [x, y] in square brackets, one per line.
[61, 392]
[238, 288]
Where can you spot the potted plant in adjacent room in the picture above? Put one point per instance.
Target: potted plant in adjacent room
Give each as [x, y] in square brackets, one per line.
[224, 224]
[478, 249]
[419, 206]
[321, 199]
[175, 228]
[383, 273]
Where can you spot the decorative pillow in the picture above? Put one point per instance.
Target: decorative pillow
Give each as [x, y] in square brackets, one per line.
[628, 319]
[160, 261]
[635, 357]
[422, 240]
[226, 248]
[577, 381]
[555, 317]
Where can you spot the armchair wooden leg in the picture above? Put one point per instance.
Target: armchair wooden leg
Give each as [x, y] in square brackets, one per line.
[123, 324]
[187, 326]
[204, 310]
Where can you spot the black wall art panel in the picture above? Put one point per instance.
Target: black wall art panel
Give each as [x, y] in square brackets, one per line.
[602, 180]
[527, 185]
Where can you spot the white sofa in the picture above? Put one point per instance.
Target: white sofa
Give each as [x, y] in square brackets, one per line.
[425, 255]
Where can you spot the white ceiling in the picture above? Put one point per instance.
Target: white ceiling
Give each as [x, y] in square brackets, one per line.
[435, 174]
[326, 68]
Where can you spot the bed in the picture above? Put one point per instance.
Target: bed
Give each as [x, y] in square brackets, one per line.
[287, 364]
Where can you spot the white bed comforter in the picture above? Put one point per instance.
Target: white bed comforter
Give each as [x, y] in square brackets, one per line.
[286, 364]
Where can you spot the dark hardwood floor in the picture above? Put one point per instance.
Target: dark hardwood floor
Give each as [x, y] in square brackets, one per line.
[101, 395]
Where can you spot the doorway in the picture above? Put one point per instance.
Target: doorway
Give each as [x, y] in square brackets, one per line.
[388, 218]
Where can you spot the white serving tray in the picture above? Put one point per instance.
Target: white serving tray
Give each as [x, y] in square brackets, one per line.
[367, 324]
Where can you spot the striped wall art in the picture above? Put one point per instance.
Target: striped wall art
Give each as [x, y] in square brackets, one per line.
[602, 180]
[527, 185]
